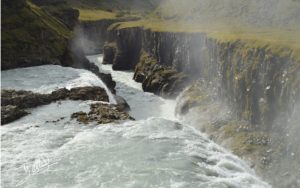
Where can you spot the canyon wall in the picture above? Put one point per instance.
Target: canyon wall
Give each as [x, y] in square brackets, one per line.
[244, 97]
[91, 35]
[258, 84]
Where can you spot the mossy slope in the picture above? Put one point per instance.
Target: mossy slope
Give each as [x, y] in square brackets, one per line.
[30, 35]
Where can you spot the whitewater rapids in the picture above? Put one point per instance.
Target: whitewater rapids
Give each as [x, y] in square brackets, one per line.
[48, 149]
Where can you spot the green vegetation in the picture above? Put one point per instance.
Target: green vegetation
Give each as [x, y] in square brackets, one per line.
[279, 41]
[31, 33]
[110, 5]
[95, 14]
[255, 24]
[50, 21]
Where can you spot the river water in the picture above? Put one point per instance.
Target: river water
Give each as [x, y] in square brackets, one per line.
[48, 149]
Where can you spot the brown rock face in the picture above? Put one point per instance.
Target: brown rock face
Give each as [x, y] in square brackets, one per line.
[102, 114]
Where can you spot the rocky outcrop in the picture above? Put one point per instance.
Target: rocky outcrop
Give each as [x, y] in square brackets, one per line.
[159, 79]
[10, 113]
[109, 53]
[128, 44]
[14, 102]
[127, 49]
[88, 93]
[102, 114]
[24, 99]
[258, 84]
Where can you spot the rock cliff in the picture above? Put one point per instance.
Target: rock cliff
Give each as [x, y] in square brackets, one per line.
[246, 94]
[256, 82]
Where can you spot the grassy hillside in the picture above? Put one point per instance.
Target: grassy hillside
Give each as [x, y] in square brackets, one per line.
[115, 4]
[271, 24]
[95, 14]
[30, 34]
[92, 10]
[275, 13]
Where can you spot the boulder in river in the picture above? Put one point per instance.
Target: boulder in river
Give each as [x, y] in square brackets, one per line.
[88, 93]
[102, 114]
[10, 113]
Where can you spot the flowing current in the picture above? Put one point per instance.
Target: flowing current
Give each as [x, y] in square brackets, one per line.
[48, 149]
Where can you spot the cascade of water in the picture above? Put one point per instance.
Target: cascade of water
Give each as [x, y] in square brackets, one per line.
[154, 151]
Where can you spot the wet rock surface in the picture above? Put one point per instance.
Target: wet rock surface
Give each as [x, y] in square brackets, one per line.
[159, 79]
[102, 114]
[129, 45]
[24, 99]
[88, 93]
[109, 51]
[14, 102]
[10, 113]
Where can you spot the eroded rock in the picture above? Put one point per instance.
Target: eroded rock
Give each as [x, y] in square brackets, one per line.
[88, 93]
[157, 78]
[24, 99]
[102, 114]
[10, 113]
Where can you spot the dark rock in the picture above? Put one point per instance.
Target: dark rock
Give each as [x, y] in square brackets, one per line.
[139, 77]
[38, 43]
[24, 99]
[88, 93]
[60, 94]
[128, 48]
[159, 79]
[81, 117]
[122, 104]
[102, 114]
[109, 52]
[10, 113]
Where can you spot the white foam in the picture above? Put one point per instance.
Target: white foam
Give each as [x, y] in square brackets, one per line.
[120, 155]
[47, 78]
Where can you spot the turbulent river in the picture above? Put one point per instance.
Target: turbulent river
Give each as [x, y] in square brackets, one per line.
[48, 149]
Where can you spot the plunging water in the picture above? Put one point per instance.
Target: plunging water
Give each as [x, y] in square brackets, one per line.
[48, 149]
